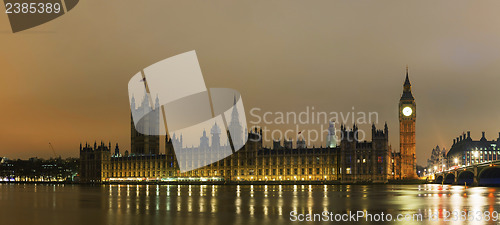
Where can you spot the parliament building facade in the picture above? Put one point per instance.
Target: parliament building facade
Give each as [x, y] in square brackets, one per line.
[345, 161]
[351, 161]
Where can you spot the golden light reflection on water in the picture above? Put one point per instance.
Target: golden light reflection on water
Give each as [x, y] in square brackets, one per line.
[260, 202]
[213, 200]
[237, 203]
[202, 190]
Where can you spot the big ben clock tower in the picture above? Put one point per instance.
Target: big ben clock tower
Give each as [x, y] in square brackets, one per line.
[407, 118]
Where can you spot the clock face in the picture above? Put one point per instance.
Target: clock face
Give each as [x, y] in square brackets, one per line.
[407, 111]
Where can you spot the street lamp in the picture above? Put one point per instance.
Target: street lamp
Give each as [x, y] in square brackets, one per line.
[456, 161]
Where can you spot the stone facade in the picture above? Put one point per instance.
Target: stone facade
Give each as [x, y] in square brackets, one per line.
[350, 162]
[407, 121]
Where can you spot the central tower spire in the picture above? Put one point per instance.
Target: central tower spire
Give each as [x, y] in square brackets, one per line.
[407, 95]
[407, 81]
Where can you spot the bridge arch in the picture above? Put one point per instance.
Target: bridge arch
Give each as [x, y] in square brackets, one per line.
[439, 179]
[465, 176]
[489, 176]
[449, 178]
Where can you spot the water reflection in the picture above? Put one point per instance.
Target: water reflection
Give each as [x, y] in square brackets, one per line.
[239, 204]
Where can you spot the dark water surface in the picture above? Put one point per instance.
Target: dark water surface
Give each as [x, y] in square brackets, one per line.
[238, 204]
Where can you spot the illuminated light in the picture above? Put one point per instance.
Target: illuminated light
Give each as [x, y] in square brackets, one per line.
[407, 111]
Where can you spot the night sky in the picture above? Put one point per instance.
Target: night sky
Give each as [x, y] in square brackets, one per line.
[65, 82]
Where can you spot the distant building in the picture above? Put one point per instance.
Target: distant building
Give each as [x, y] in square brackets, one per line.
[466, 151]
[437, 160]
[364, 161]
[39, 170]
[396, 166]
[94, 162]
[331, 138]
[141, 142]
[352, 161]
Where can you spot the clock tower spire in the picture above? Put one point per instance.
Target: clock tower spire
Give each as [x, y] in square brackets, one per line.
[407, 119]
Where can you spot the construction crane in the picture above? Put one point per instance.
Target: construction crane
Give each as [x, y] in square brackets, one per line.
[54, 151]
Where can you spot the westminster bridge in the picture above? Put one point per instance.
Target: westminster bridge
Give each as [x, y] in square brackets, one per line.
[483, 174]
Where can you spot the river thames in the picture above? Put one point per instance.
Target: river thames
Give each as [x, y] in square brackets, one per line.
[246, 204]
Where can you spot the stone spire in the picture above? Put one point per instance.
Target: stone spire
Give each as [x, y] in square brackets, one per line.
[407, 95]
[407, 81]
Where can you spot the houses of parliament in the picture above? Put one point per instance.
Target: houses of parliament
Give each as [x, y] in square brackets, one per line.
[345, 161]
